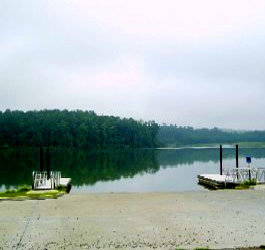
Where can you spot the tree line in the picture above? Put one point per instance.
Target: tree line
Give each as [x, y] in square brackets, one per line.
[179, 136]
[74, 129]
[87, 130]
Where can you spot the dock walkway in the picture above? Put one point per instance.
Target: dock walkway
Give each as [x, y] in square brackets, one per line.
[215, 180]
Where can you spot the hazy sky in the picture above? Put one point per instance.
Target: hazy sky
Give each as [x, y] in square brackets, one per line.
[198, 63]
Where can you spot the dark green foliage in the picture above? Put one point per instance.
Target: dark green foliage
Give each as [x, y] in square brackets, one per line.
[74, 129]
[24, 194]
[18, 192]
[246, 184]
[10, 191]
[24, 189]
[179, 136]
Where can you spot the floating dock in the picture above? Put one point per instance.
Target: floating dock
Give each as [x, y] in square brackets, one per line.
[232, 178]
[215, 181]
[49, 180]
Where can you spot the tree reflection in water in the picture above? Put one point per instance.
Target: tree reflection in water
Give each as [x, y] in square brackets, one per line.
[88, 168]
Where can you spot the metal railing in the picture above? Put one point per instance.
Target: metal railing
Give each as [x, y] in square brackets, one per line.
[260, 175]
[40, 179]
[239, 175]
[55, 178]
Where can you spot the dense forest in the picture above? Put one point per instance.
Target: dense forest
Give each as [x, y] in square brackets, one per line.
[87, 130]
[179, 136]
[74, 129]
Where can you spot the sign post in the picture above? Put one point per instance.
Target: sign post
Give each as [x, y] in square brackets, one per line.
[248, 160]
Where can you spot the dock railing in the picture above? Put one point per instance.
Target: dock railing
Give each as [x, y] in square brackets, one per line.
[260, 175]
[40, 179]
[55, 178]
[240, 175]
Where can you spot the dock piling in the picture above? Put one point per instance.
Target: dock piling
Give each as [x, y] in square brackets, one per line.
[236, 156]
[41, 159]
[221, 160]
[237, 159]
[48, 163]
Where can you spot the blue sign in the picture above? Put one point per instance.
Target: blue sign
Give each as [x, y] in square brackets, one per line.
[248, 159]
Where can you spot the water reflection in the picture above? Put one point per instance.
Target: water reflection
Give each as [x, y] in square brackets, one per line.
[123, 170]
[189, 156]
[16, 165]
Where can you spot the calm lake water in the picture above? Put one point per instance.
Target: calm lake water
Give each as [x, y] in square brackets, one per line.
[124, 170]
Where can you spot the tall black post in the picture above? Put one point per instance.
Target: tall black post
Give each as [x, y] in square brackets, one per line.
[221, 160]
[41, 159]
[236, 156]
[237, 160]
[48, 163]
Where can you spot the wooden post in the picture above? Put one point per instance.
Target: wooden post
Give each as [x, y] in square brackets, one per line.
[41, 159]
[48, 163]
[221, 160]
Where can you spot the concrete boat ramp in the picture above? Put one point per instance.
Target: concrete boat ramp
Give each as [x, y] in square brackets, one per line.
[130, 221]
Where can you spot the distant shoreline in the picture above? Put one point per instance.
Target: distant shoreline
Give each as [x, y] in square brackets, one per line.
[217, 145]
[190, 146]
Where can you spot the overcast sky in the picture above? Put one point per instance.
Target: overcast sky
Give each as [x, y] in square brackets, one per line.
[198, 63]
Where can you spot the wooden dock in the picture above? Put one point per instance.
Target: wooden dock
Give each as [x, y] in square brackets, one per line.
[216, 181]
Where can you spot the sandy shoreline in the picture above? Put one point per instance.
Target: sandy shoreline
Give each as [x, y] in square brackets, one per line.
[219, 219]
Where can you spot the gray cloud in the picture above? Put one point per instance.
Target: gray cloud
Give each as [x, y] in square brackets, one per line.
[164, 61]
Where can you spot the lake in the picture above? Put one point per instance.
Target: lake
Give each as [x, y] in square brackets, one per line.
[124, 170]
